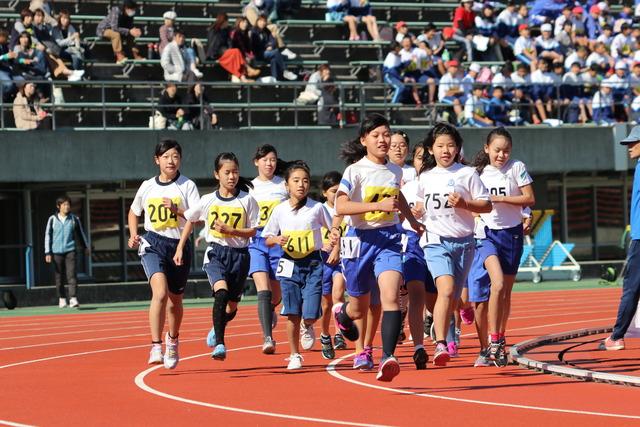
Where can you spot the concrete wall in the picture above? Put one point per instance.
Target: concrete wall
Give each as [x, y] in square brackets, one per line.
[107, 156]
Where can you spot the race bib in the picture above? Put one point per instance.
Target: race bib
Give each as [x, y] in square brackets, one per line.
[230, 215]
[326, 232]
[404, 240]
[285, 268]
[161, 217]
[300, 243]
[437, 204]
[266, 207]
[377, 194]
[349, 247]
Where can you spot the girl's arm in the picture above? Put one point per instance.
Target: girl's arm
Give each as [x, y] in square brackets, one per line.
[223, 228]
[134, 238]
[276, 240]
[184, 237]
[478, 206]
[344, 206]
[526, 199]
[168, 203]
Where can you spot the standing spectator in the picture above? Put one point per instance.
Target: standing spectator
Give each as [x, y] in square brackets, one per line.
[178, 65]
[171, 107]
[6, 61]
[68, 40]
[27, 113]
[200, 113]
[63, 229]
[464, 26]
[166, 30]
[623, 44]
[361, 10]
[337, 12]
[264, 47]
[117, 27]
[524, 48]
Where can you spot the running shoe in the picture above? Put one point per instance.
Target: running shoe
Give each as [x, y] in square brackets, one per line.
[327, 348]
[211, 338]
[467, 315]
[389, 368]
[500, 355]
[610, 344]
[428, 322]
[364, 360]
[295, 361]
[269, 346]
[307, 336]
[73, 302]
[171, 357]
[441, 355]
[219, 353]
[62, 302]
[155, 355]
[452, 348]
[421, 359]
[456, 336]
[494, 348]
[339, 342]
[351, 332]
[483, 359]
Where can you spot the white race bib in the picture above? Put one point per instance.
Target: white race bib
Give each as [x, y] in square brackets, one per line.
[404, 240]
[349, 247]
[285, 268]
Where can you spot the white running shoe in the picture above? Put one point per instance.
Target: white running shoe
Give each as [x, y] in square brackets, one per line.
[155, 355]
[295, 361]
[289, 54]
[171, 356]
[307, 336]
[62, 302]
[73, 302]
[289, 75]
[269, 346]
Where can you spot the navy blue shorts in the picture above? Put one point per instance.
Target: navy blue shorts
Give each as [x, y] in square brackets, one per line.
[228, 264]
[414, 265]
[328, 271]
[263, 257]
[157, 252]
[302, 292]
[507, 244]
[478, 281]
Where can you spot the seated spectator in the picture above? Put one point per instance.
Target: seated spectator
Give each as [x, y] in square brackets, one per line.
[27, 113]
[503, 78]
[219, 48]
[434, 40]
[117, 27]
[241, 39]
[450, 88]
[361, 10]
[428, 67]
[600, 57]
[392, 69]
[170, 105]
[634, 77]
[546, 45]
[578, 56]
[264, 47]
[6, 65]
[402, 31]
[177, 64]
[543, 90]
[199, 112]
[31, 62]
[619, 83]
[410, 72]
[578, 20]
[602, 105]
[607, 35]
[487, 27]
[45, 6]
[469, 79]
[25, 23]
[624, 17]
[572, 94]
[252, 11]
[522, 78]
[623, 44]
[635, 106]
[337, 11]
[69, 41]
[313, 89]
[194, 50]
[524, 48]
[497, 109]
[328, 105]
[565, 38]
[522, 111]
[508, 21]
[474, 108]
[464, 26]
[565, 16]
[592, 23]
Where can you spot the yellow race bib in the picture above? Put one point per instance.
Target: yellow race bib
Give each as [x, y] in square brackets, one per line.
[231, 215]
[266, 207]
[300, 243]
[326, 232]
[161, 217]
[377, 194]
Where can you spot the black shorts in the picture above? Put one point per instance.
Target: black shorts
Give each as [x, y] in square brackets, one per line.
[228, 264]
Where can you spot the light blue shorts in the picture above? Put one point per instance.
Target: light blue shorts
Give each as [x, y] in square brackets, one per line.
[451, 257]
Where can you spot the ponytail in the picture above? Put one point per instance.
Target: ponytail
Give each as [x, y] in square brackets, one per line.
[481, 160]
[352, 151]
[244, 184]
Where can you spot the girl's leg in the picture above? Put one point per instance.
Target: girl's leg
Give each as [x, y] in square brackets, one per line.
[174, 312]
[372, 26]
[481, 323]
[357, 309]
[373, 320]
[352, 23]
[338, 297]
[327, 303]
[496, 298]
[265, 299]
[157, 308]
[293, 333]
[443, 306]
[389, 283]
[416, 311]
[509, 280]
[219, 310]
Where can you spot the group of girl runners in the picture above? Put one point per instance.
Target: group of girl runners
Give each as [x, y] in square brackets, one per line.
[433, 243]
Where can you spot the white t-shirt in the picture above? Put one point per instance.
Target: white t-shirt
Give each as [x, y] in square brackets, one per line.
[303, 227]
[408, 174]
[542, 77]
[366, 181]
[240, 211]
[326, 231]
[158, 219]
[440, 218]
[505, 181]
[622, 45]
[392, 60]
[547, 44]
[410, 192]
[522, 44]
[268, 194]
[447, 82]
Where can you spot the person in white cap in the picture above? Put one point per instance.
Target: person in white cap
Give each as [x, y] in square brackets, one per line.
[188, 54]
[547, 46]
[602, 105]
[619, 82]
[470, 78]
[166, 30]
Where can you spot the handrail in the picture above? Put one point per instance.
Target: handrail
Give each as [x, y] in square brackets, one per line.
[28, 262]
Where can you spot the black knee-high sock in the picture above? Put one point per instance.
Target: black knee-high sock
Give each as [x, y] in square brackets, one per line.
[265, 312]
[344, 318]
[221, 298]
[232, 315]
[391, 321]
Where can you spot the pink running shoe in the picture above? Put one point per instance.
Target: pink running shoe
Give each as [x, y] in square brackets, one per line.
[452, 349]
[363, 361]
[467, 315]
[611, 344]
[441, 355]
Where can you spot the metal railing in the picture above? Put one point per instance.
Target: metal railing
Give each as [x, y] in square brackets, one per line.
[25, 264]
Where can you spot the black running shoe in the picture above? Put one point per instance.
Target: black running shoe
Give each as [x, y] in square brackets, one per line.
[327, 348]
[420, 358]
[339, 343]
[502, 359]
[428, 321]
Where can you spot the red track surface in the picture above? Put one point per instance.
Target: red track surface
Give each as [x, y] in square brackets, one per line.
[82, 370]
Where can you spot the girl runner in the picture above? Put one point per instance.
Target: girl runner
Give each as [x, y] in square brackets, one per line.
[500, 247]
[371, 252]
[163, 199]
[296, 225]
[449, 193]
[231, 218]
[268, 190]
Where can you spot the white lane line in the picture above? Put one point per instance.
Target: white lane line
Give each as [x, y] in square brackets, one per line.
[12, 424]
[139, 381]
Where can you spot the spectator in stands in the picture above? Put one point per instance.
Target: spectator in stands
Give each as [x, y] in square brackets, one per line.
[410, 72]
[219, 48]
[498, 108]
[428, 69]
[264, 47]
[171, 107]
[252, 11]
[313, 90]
[195, 50]
[572, 95]
[6, 65]
[464, 26]
[503, 77]
[361, 10]
[635, 106]
[337, 12]
[474, 108]
[623, 44]
[606, 36]
[565, 16]
[31, 62]
[565, 38]
[469, 79]
[543, 90]
[402, 31]
[592, 23]
[522, 109]
[118, 28]
[578, 20]
[600, 57]
[45, 6]
[434, 40]
[199, 112]
[487, 29]
[450, 89]
[392, 69]
[25, 23]
[27, 113]
[602, 105]
[522, 78]
[69, 41]
[546, 45]
[178, 65]
[524, 48]
[508, 21]
[634, 77]
[328, 104]
[578, 56]
[621, 93]
[274, 10]
[241, 39]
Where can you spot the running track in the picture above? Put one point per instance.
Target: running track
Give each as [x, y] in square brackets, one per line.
[80, 369]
